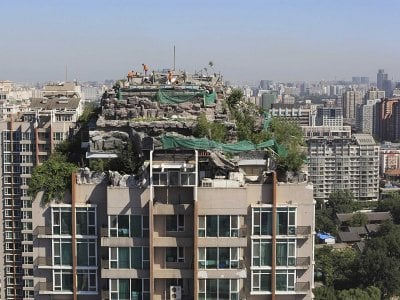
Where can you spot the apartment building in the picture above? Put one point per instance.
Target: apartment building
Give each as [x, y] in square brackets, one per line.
[26, 139]
[338, 163]
[186, 229]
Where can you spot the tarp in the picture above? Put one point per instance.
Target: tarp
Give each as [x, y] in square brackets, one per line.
[182, 96]
[173, 142]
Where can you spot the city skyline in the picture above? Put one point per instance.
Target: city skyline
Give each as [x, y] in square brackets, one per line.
[279, 40]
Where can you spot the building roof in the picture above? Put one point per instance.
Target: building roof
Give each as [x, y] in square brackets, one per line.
[372, 227]
[372, 216]
[364, 139]
[349, 237]
[359, 230]
[55, 103]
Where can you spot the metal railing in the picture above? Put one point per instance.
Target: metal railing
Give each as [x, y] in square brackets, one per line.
[303, 230]
[43, 230]
[43, 261]
[44, 286]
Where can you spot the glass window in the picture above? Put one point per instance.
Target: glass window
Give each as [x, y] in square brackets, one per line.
[261, 281]
[262, 253]
[262, 221]
[175, 254]
[175, 223]
[212, 226]
[218, 289]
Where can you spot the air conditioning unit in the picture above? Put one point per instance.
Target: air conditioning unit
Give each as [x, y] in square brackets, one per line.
[175, 292]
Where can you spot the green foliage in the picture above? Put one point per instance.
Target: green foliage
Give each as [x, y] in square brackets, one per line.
[328, 293]
[289, 135]
[324, 293]
[359, 219]
[127, 161]
[337, 267]
[371, 293]
[53, 177]
[379, 264]
[211, 130]
[234, 98]
[324, 222]
[98, 165]
[392, 204]
[88, 112]
[342, 201]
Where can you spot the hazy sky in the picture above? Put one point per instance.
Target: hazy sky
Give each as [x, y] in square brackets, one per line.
[246, 40]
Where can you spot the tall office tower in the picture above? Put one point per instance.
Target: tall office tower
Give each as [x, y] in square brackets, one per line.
[380, 77]
[344, 164]
[373, 94]
[265, 84]
[27, 140]
[350, 100]
[366, 116]
[387, 122]
[329, 116]
[387, 87]
[178, 235]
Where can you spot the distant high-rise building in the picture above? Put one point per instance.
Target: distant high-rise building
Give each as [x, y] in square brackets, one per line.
[268, 98]
[350, 100]
[366, 116]
[380, 77]
[387, 123]
[364, 80]
[265, 84]
[387, 87]
[373, 94]
[356, 79]
[338, 163]
[329, 116]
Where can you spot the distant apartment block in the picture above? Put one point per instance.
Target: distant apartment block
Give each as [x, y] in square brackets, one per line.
[27, 139]
[344, 164]
[387, 122]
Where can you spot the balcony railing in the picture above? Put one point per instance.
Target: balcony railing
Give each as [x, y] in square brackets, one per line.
[105, 294]
[302, 286]
[302, 261]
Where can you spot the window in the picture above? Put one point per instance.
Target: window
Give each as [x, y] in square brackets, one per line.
[129, 226]
[62, 252]
[86, 252]
[286, 221]
[219, 289]
[219, 258]
[175, 254]
[129, 258]
[87, 280]
[262, 221]
[219, 226]
[133, 289]
[285, 280]
[285, 252]
[86, 221]
[62, 280]
[262, 253]
[175, 222]
[58, 136]
[188, 179]
[61, 220]
[261, 281]
[160, 179]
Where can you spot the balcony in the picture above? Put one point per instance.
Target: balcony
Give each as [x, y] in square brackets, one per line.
[171, 209]
[303, 262]
[302, 287]
[42, 232]
[173, 241]
[43, 262]
[173, 273]
[104, 263]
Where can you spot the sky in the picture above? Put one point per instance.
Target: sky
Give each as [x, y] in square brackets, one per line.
[280, 40]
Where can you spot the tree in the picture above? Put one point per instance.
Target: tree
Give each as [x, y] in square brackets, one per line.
[324, 293]
[234, 98]
[53, 177]
[391, 204]
[359, 219]
[371, 293]
[290, 135]
[212, 130]
[324, 222]
[342, 201]
[379, 264]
